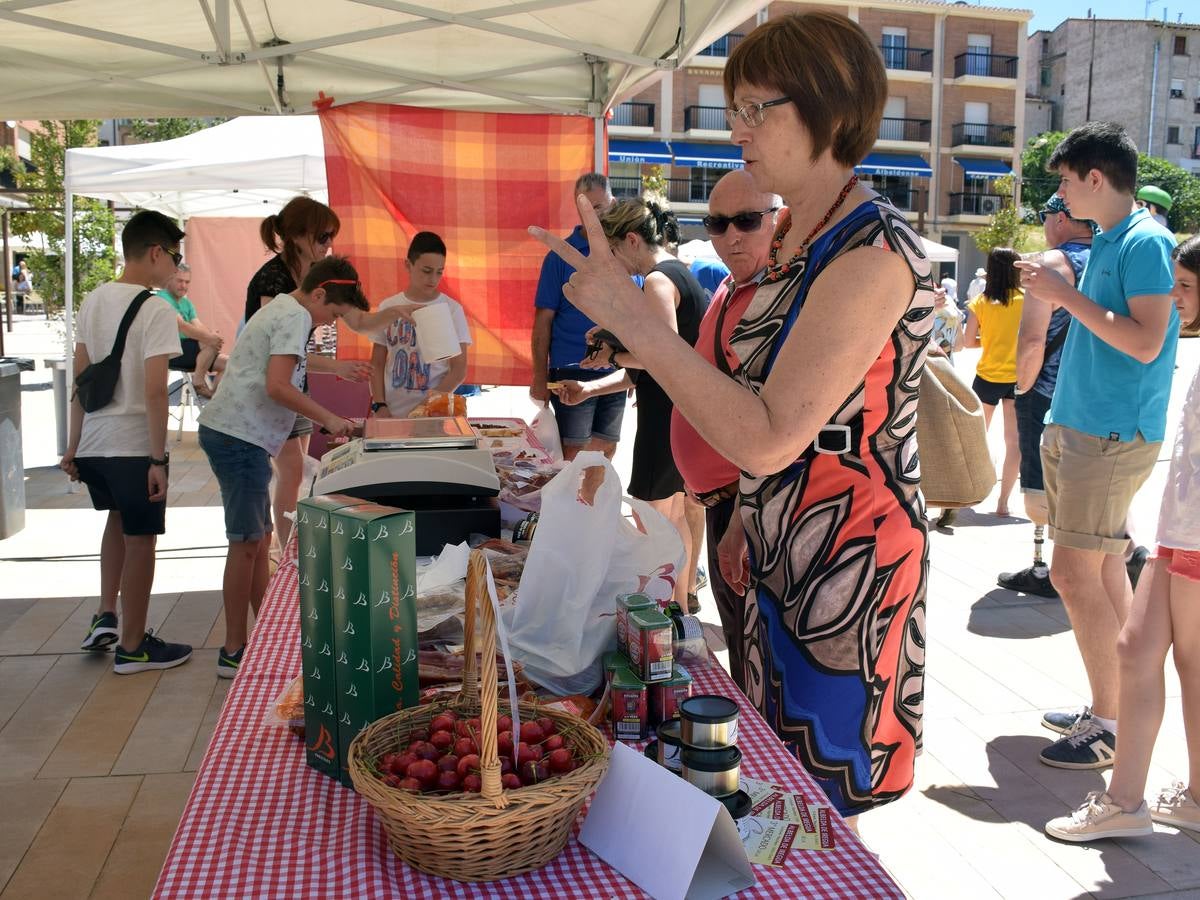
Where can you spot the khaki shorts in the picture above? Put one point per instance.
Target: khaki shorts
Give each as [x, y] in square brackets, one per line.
[1090, 484]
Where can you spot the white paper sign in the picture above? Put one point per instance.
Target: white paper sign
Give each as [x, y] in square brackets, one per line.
[668, 837]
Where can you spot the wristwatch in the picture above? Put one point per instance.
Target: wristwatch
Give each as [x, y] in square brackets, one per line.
[161, 462]
[376, 407]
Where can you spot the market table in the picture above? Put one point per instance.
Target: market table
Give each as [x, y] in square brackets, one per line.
[261, 823]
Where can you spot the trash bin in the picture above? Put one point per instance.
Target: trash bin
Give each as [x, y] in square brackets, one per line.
[12, 464]
[59, 378]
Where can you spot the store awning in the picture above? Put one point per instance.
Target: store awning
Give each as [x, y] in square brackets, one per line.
[654, 152]
[983, 168]
[707, 156]
[901, 165]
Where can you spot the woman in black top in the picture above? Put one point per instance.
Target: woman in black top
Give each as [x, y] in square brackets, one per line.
[639, 233]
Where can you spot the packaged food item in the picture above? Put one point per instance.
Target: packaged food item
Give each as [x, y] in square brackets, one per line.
[710, 721]
[630, 715]
[649, 639]
[611, 661]
[665, 696]
[440, 404]
[670, 746]
[288, 709]
[713, 771]
[523, 530]
[627, 603]
[687, 634]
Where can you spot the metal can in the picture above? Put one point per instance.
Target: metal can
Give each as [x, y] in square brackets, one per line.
[709, 721]
[670, 746]
[716, 772]
[650, 645]
[630, 716]
[627, 603]
[665, 696]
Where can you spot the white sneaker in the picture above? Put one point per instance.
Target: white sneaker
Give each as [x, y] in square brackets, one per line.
[1098, 818]
[1175, 806]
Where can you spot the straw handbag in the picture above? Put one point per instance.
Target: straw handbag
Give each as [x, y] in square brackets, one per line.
[956, 466]
[496, 833]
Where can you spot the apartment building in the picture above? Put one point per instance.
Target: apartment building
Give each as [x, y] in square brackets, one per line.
[953, 124]
[1144, 74]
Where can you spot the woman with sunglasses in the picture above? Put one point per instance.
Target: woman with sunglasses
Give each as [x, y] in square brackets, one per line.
[639, 232]
[818, 413]
[299, 235]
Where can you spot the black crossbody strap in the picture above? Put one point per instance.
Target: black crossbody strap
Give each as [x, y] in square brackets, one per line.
[1057, 341]
[118, 349]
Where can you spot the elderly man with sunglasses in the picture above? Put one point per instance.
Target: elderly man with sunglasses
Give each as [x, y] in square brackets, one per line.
[741, 223]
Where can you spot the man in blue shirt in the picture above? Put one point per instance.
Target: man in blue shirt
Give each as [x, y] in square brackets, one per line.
[1108, 415]
[559, 344]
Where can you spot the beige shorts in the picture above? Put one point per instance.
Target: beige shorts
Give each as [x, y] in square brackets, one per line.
[1090, 484]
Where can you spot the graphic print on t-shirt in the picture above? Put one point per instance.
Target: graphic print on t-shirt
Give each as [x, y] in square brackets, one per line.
[408, 371]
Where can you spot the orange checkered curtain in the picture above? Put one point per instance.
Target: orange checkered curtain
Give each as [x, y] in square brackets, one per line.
[478, 180]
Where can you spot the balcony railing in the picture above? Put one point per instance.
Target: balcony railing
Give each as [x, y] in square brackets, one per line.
[904, 130]
[976, 204]
[902, 198]
[710, 118]
[634, 114]
[991, 65]
[722, 46]
[679, 190]
[911, 59]
[982, 134]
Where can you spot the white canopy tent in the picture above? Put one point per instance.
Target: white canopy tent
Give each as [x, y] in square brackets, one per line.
[936, 252]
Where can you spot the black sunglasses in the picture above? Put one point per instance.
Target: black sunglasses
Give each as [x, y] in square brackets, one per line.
[743, 221]
[325, 237]
[176, 256]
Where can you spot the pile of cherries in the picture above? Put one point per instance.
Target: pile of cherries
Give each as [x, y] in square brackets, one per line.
[445, 756]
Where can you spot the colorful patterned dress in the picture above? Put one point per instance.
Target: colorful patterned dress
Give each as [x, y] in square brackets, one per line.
[838, 547]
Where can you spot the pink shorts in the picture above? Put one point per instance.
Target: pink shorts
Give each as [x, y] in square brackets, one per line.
[1184, 563]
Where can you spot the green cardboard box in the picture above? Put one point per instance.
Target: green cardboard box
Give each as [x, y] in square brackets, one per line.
[373, 577]
[316, 630]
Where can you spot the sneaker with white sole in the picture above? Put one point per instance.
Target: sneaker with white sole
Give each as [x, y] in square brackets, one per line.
[1063, 722]
[227, 663]
[103, 633]
[152, 653]
[1098, 817]
[1175, 806]
[1086, 746]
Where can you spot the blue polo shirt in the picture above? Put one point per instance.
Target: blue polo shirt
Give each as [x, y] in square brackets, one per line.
[567, 346]
[1102, 391]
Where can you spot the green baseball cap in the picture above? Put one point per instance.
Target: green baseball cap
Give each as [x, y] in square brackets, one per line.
[1152, 193]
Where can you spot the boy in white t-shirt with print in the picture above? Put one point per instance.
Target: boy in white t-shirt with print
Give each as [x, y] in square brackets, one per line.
[119, 451]
[249, 419]
[400, 378]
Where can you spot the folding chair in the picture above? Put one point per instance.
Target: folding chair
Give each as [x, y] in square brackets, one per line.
[188, 399]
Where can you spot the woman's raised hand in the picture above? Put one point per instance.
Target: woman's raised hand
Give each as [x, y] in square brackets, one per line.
[600, 288]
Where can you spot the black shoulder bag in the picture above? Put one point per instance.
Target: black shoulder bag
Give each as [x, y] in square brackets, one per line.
[96, 384]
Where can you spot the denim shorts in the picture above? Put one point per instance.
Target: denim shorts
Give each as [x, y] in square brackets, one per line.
[243, 472]
[598, 417]
[1031, 410]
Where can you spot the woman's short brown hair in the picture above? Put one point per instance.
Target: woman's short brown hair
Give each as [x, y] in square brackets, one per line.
[830, 70]
[301, 218]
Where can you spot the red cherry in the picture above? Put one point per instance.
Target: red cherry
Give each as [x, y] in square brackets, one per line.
[533, 772]
[472, 783]
[449, 781]
[511, 781]
[504, 743]
[426, 750]
[419, 734]
[462, 728]
[504, 723]
[560, 760]
[475, 725]
[547, 725]
[443, 740]
[554, 742]
[527, 753]
[448, 763]
[424, 770]
[506, 765]
[531, 732]
[441, 723]
[468, 764]
[465, 746]
[401, 762]
[391, 781]
[409, 784]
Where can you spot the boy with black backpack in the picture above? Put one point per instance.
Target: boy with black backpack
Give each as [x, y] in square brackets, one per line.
[118, 447]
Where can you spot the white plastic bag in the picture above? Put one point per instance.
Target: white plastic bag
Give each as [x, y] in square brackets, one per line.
[545, 428]
[581, 558]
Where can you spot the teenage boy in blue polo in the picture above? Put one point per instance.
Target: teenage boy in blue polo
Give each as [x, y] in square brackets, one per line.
[1108, 415]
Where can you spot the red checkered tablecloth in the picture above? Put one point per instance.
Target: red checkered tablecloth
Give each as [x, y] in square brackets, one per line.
[261, 823]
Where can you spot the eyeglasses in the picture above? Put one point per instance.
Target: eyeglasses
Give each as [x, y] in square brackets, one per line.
[752, 113]
[176, 256]
[337, 281]
[744, 222]
[325, 237]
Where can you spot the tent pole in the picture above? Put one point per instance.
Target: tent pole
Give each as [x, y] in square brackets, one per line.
[69, 299]
[598, 156]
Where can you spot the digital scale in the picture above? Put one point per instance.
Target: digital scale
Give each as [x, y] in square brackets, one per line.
[433, 466]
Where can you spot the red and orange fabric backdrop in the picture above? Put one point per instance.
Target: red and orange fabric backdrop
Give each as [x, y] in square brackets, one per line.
[478, 180]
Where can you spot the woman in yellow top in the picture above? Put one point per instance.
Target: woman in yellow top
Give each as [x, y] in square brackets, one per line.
[995, 317]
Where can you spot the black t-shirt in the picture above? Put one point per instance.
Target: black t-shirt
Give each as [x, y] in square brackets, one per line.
[271, 280]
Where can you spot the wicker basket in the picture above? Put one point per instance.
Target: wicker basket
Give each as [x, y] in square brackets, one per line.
[496, 833]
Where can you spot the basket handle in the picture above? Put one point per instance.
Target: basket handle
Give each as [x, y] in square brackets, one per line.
[477, 597]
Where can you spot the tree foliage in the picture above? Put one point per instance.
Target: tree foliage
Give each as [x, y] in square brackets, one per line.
[150, 130]
[1006, 229]
[94, 221]
[1038, 184]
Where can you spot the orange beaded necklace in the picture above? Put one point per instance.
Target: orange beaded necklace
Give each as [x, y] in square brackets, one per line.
[775, 271]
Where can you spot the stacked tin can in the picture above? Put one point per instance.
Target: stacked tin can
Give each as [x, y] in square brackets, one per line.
[645, 685]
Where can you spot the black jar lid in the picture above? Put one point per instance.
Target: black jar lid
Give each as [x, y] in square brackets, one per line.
[708, 709]
[722, 760]
[668, 732]
[738, 804]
